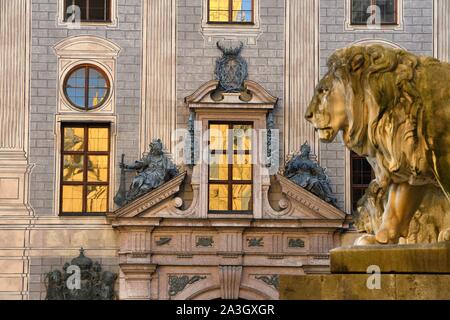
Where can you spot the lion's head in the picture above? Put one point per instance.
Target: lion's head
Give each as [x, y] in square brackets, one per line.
[363, 84]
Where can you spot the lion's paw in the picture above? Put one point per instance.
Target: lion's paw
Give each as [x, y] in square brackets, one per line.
[444, 236]
[366, 240]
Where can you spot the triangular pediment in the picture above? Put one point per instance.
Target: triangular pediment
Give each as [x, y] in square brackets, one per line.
[260, 97]
[151, 203]
[300, 203]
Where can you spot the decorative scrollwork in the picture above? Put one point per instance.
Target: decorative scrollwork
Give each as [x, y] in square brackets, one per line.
[272, 280]
[205, 242]
[296, 243]
[179, 283]
[255, 242]
[163, 241]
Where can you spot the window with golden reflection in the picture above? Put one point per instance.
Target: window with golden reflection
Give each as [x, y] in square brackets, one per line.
[85, 169]
[230, 11]
[230, 174]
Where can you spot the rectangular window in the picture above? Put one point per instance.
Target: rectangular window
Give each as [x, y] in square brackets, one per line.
[371, 11]
[230, 176]
[85, 169]
[230, 11]
[89, 10]
[361, 176]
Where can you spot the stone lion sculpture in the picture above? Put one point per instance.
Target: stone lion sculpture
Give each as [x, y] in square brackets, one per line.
[394, 108]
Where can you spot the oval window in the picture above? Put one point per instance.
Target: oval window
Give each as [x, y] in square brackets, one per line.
[86, 87]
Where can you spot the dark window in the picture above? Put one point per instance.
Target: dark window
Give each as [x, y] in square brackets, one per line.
[230, 176]
[360, 12]
[85, 169]
[86, 87]
[361, 176]
[90, 10]
[230, 11]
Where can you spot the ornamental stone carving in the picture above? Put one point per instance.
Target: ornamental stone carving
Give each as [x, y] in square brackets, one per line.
[205, 242]
[255, 242]
[272, 280]
[179, 283]
[231, 71]
[92, 282]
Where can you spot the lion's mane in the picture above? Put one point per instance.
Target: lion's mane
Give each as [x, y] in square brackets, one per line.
[387, 105]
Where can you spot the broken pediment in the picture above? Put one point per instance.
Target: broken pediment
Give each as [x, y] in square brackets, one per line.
[161, 201]
[256, 97]
[299, 203]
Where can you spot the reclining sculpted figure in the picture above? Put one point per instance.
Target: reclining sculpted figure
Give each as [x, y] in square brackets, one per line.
[153, 171]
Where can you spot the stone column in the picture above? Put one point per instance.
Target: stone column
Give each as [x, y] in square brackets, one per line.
[15, 213]
[302, 71]
[159, 70]
[441, 32]
[15, 23]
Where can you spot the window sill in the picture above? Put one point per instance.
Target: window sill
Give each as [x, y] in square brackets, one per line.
[382, 27]
[233, 24]
[86, 24]
[83, 215]
[248, 32]
[230, 215]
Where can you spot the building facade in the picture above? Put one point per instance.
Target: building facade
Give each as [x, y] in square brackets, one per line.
[84, 82]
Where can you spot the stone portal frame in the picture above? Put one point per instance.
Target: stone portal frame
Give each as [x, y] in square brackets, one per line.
[171, 252]
[232, 109]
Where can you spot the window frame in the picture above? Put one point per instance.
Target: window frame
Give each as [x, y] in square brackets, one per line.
[230, 15]
[87, 66]
[373, 2]
[230, 182]
[353, 186]
[108, 10]
[85, 183]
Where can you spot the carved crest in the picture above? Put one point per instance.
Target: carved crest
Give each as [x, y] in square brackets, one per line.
[231, 69]
[81, 279]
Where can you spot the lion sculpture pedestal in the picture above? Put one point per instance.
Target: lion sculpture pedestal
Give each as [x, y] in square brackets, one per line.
[409, 272]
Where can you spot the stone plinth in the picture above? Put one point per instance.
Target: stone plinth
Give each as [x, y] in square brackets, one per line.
[408, 272]
[417, 258]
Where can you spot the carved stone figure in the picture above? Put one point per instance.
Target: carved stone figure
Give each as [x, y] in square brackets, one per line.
[309, 175]
[153, 170]
[90, 283]
[392, 107]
